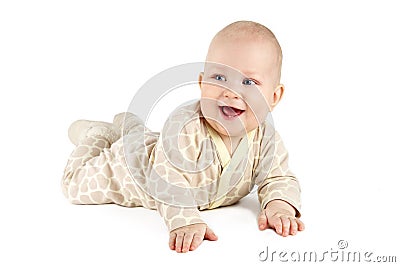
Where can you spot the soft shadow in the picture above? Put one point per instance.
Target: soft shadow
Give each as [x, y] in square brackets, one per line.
[250, 202]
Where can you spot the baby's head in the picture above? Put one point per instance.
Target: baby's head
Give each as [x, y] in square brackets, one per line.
[241, 79]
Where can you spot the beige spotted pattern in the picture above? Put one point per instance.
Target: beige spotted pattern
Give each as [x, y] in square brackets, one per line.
[144, 173]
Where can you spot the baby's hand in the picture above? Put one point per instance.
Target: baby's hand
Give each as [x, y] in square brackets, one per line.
[280, 216]
[190, 237]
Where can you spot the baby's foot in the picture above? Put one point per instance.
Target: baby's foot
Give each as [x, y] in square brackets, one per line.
[126, 121]
[83, 128]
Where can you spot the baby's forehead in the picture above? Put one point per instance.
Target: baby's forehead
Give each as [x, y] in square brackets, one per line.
[215, 67]
[245, 58]
[257, 60]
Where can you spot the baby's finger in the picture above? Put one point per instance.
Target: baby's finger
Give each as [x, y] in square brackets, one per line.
[178, 242]
[197, 240]
[276, 223]
[187, 241]
[285, 225]
[172, 237]
[210, 235]
[293, 226]
[262, 221]
[300, 224]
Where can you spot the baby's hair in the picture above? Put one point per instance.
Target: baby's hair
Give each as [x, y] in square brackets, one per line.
[254, 30]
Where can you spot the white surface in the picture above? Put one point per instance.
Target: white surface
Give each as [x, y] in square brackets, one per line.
[60, 61]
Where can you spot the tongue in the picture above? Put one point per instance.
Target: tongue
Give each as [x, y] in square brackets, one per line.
[230, 111]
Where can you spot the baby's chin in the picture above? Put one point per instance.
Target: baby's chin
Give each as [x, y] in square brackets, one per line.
[230, 132]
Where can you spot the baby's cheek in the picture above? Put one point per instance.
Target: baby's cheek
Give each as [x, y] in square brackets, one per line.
[251, 121]
[210, 91]
[257, 103]
[257, 115]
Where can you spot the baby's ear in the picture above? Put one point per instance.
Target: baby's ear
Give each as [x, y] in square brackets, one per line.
[278, 93]
[201, 74]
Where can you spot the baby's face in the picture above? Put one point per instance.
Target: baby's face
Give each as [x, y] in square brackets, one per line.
[240, 85]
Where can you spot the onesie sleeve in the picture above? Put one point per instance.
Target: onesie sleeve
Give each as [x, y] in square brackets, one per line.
[273, 176]
[171, 189]
[172, 181]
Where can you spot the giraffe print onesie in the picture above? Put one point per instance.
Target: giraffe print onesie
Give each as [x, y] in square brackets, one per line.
[178, 174]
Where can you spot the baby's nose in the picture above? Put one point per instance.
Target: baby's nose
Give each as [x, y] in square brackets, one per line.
[230, 94]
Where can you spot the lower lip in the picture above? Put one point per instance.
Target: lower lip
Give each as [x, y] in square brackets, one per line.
[226, 117]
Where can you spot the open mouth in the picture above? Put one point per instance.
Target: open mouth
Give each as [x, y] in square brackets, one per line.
[231, 112]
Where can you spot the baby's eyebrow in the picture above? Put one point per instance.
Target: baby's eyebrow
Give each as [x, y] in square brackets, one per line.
[252, 74]
[222, 69]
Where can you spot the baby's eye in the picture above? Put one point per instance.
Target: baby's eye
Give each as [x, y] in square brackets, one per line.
[248, 82]
[220, 77]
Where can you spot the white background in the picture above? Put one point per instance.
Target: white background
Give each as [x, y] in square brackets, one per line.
[65, 60]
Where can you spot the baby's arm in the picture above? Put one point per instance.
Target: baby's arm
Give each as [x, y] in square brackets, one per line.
[280, 216]
[278, 190]
[176, 204]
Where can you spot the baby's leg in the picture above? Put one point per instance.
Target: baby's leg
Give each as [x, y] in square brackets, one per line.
[96, 173]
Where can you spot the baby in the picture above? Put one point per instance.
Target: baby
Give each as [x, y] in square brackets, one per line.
[210, 153]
